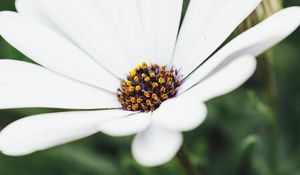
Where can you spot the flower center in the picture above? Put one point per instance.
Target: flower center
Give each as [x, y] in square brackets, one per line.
[147, 86]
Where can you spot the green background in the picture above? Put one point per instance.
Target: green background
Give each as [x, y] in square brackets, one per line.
[243, 133]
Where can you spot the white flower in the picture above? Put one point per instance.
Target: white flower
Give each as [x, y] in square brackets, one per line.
[87, 47]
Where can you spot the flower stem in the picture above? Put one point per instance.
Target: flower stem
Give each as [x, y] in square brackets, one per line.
[185, 162]
[269, 78]
[270, 93]
[270, 7]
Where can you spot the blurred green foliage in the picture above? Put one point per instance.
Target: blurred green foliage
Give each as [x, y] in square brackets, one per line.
[242, 134]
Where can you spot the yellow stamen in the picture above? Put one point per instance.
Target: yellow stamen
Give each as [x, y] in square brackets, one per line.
[146, 94]
[161, 80]
[162, 90]
[132, 99]
[138, 88]
[136, 79]
[139, 100]
[146, 79]
[154, 85]
[164, 97]
[152, 74]
[132, 73]
[154, 96]
[135, 107]
[131, 88]
[148, 102]
[128, 83]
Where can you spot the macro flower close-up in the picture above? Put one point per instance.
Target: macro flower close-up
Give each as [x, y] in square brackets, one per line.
[144, 68]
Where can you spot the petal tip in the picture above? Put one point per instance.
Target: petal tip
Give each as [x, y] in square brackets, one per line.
[153, 157]
[292, 14]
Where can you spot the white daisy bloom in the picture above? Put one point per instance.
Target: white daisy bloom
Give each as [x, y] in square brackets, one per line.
[128, 64]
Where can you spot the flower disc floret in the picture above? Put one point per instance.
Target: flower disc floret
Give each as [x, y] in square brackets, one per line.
[147, 86]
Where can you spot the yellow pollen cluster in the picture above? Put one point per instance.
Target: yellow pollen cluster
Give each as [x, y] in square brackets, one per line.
[147, 86]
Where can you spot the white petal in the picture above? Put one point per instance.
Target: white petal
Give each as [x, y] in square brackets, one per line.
[53, 51]
[160, 23]
[112, 31]
[224, 79]
[182, 113]
[88, 22]
[206, 26]
[124, 18]
[84, 23]
[27, 85]
[156, 146]
[252, 42]
[33, 10]
[43, 131]
[127, 125]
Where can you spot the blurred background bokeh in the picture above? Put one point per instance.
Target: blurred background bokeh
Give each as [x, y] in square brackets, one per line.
[244, 133]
